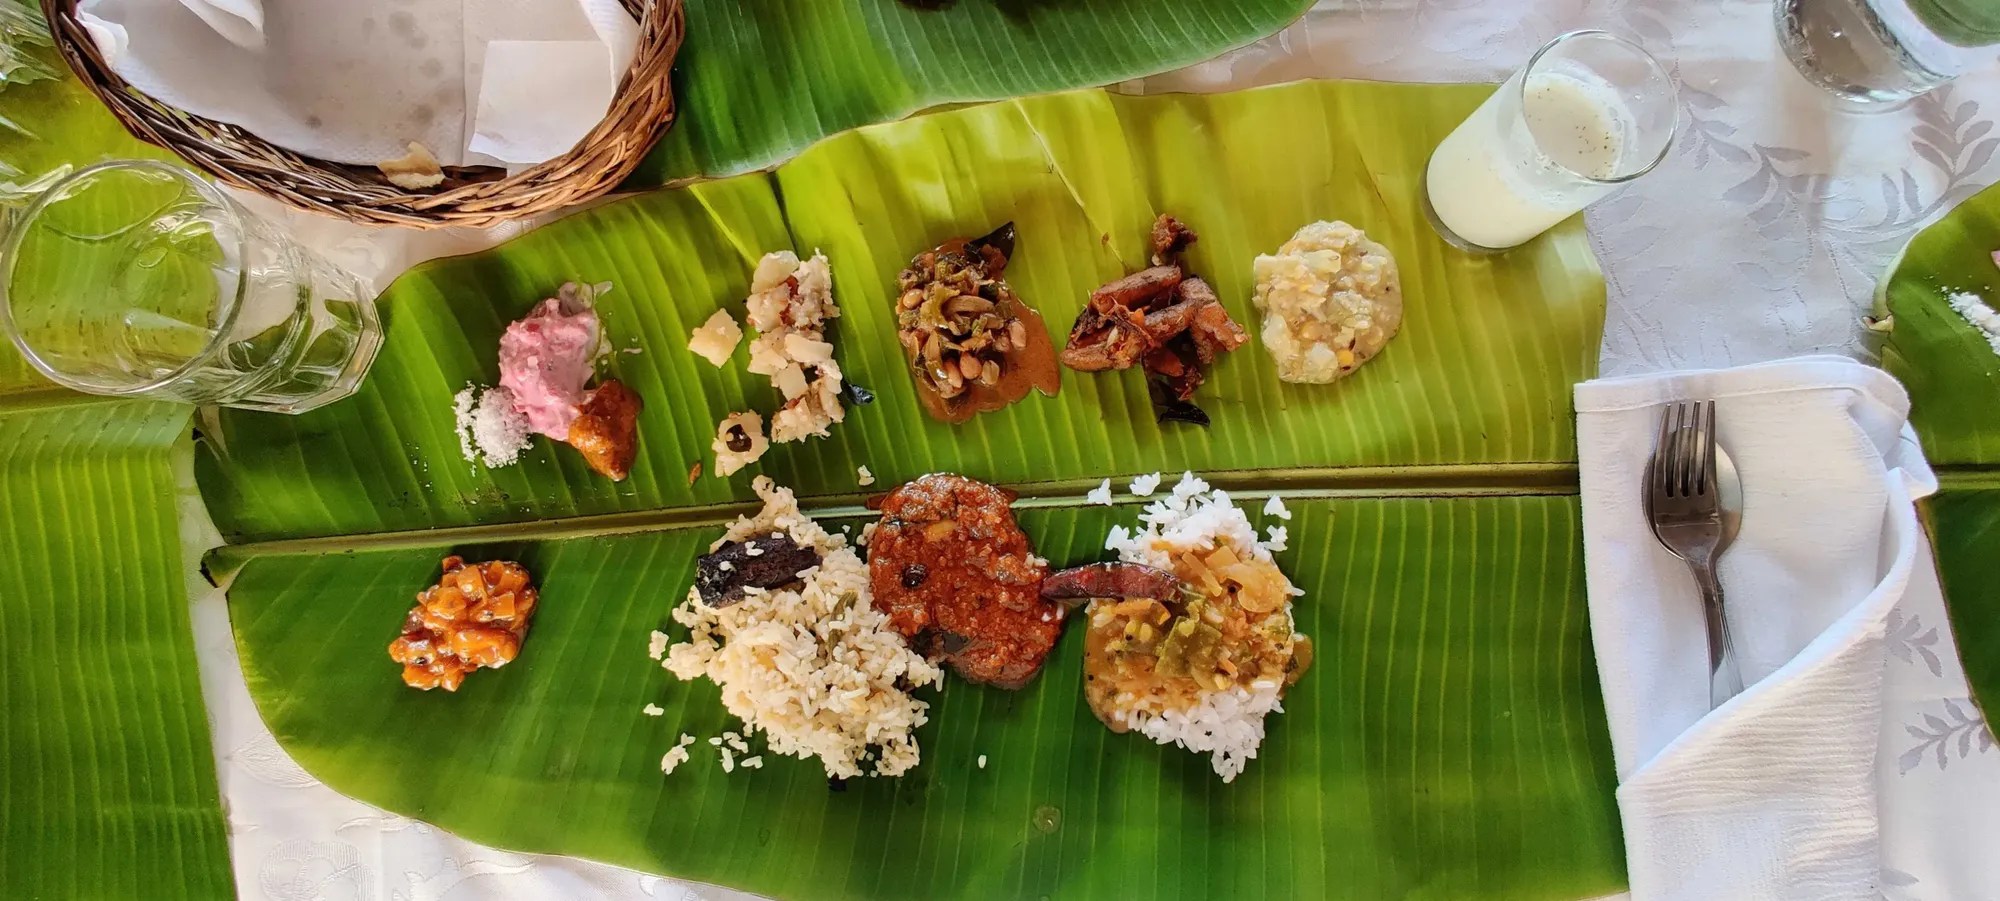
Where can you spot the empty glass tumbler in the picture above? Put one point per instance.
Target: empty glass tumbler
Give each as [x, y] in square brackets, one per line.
[1882, 52]
[138, 278]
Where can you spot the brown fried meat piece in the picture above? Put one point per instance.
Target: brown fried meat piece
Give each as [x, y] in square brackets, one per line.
[956, 577]
[1170, 240]
[1214, 333]
[1102, 341]
[606, 429]
[1112, 580]
[1163, 318]
[1136, 290]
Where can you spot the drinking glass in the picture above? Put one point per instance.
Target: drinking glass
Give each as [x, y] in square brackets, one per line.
[1879, 53]
[1588, 113]
[139, 278]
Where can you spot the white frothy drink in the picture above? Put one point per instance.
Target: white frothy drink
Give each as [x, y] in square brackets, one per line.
[1502, 178]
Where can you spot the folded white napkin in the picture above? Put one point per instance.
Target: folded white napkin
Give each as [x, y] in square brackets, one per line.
[1773, 795]
[496, 82]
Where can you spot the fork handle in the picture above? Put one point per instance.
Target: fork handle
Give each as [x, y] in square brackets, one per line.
[1724, 679]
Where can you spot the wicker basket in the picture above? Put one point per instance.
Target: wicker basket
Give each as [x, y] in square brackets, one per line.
[470, 196]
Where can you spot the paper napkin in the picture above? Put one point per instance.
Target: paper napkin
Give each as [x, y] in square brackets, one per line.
[500, 82]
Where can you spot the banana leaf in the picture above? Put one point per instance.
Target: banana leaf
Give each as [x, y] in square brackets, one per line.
[49, 122]
[1448, 743]
[758, 82]
[1953, 375]
[50, 125]
[1476, 387]
[105, 766]
[106, 771]
[1964, 523]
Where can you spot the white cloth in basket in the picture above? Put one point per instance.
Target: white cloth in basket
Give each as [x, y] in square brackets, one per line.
[498, 82]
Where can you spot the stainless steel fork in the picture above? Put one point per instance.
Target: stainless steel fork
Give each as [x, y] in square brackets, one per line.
[1684, 504]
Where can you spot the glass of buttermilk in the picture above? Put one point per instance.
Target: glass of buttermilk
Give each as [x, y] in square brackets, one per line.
[1589, 112]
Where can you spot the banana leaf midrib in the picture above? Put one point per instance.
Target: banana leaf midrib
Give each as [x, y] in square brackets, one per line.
[49, 397]
[1968, 475]
[1478, 480]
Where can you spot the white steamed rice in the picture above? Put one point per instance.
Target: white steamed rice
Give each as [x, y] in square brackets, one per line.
[1227, 725]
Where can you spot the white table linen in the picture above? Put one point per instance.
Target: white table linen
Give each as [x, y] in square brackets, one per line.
[1761, 237]
[1773, 795]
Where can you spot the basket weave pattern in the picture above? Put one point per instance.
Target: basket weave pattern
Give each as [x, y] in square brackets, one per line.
[475, 196]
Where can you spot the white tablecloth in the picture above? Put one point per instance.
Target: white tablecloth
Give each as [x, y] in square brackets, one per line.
[1761, 237]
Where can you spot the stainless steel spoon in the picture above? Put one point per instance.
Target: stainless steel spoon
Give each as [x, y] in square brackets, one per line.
[1725, 681]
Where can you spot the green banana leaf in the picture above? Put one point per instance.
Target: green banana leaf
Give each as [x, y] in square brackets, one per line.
[758, 82]
[107, 780]
[49, 122]
[105, 766]
[50, 125]
[1964, 523]
[1448, 743]
[1953, 375]
[1476, 387]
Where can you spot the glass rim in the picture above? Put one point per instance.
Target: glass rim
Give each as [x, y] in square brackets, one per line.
[1652, 62]
[10, 258]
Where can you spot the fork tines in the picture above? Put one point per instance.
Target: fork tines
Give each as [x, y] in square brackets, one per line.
[1684, 453]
